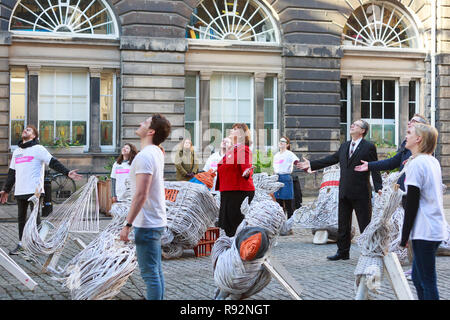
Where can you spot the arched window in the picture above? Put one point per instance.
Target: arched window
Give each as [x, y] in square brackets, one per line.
[85, 18]
[236, 20]
[380, 24]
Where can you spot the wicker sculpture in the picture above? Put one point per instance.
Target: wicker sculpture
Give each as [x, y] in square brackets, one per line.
[322, 213]
[237, 278]
[191, 209]
[376, 240]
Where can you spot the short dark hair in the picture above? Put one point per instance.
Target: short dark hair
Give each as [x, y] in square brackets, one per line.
[162, 128]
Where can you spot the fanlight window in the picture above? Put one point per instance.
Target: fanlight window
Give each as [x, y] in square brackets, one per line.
[73, 17]
[380, 25]
[238, 20]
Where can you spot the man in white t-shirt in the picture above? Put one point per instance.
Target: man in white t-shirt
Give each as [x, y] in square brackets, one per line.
[148, 208]
[26, 171]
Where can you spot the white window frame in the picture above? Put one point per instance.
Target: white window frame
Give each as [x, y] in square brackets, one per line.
[222, 26]
[382, 101]
[54, 19]
[348, 108]
[275, 115]
[252, 103]
[411, 23]
[109, 148]
[196, 122]
[14, 147]
[86, 146]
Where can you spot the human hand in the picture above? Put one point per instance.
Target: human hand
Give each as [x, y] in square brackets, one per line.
[114, 199]
[246, 173]
[380, 192]
[74, 175]
[304, 165]
[362, 167]
[3, 196]
[124, 234]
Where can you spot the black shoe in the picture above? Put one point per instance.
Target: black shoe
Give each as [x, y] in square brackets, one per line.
[17, 250]
[339, 256]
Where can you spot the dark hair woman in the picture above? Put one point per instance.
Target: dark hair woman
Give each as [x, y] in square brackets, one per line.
[121, 170]
[234, 179]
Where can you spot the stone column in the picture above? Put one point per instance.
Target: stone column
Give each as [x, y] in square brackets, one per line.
[94, 110]
[403, 116]
[204, 101]
[259, 110]
[33, 95]
[356, 98]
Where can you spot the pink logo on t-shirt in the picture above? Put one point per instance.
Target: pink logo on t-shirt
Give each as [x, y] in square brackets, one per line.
[279, 161]
[119, 171]
[214, 164]
[24, 159]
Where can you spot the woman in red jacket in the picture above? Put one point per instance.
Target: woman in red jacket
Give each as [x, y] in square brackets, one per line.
[234, 179]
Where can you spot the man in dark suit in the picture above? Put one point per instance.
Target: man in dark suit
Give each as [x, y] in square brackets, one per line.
[354, 187]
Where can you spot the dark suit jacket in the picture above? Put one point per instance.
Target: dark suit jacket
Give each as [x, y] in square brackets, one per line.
[353, 184]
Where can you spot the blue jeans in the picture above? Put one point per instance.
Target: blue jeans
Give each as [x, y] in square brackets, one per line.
[148, 250]
[424, 269]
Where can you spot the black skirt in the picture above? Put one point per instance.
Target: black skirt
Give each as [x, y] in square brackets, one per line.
[230, 215]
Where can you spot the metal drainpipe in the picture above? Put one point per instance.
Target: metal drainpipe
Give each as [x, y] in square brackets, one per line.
[433, 63]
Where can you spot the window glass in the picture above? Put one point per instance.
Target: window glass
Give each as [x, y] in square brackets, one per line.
[107, 109]
[379, 110]
[18, 104]
[63, 105]
[81, 17]
[190, 107]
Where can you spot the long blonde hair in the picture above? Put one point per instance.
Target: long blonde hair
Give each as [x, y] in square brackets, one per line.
[429, 136]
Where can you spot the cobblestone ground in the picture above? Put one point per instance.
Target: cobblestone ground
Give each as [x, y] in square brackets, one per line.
[191, 278]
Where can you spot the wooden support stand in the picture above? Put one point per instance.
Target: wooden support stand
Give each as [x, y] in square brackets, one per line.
[283, 276]
[396, 277]
[12, 267]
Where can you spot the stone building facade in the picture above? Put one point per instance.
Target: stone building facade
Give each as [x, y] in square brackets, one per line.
[92, 70]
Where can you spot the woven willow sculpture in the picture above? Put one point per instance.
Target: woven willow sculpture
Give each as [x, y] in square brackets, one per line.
[322, 213]
[100, 270]
[235, 278]
[191, 210]
[376, 240]
[79, 213]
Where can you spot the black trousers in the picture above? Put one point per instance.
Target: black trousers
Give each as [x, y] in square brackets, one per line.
[22, 206]
[230, 215]
[288, 205]
[363, 210]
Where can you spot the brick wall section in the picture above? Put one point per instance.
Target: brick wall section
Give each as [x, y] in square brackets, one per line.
[152, 73]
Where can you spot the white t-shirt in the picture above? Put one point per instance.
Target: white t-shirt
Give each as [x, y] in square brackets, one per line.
[212, 161]
[29, 164]
[283, 163]
[150, 161]
[424, 172]
[120, 172]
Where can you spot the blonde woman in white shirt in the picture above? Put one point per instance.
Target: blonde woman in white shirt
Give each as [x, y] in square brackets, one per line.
[283, 165]
[424, 221]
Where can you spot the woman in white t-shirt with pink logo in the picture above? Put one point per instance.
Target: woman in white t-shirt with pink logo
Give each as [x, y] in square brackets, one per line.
[121, 171]
[283, 165]
[424, 221]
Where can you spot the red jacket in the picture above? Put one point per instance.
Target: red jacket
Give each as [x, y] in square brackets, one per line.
[231, 168]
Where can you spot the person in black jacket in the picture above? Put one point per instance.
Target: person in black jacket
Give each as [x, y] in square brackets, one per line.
[396, 161]
[26, 171]
[354, 187]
